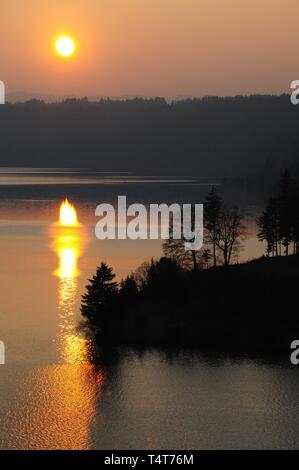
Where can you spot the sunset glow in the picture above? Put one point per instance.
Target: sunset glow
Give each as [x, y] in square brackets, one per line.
[65, 46]
[68, 215]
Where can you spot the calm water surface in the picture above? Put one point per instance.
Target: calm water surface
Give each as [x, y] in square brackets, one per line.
[52, 397]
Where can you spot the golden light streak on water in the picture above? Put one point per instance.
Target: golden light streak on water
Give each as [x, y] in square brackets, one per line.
[69, 242]
[59, 407]
[62, 409]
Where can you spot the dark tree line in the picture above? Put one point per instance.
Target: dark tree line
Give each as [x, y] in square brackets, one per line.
[108, 304]
[279, 223]
[239, 307]
[211, 136]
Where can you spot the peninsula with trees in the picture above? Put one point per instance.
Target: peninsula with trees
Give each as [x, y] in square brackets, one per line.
[206, 299]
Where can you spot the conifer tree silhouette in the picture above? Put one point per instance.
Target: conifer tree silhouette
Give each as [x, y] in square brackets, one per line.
[102, 291]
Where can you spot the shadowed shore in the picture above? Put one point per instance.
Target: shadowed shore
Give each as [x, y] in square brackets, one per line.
[243, 307]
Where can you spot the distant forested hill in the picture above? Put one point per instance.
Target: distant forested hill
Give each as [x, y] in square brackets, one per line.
[205, 137]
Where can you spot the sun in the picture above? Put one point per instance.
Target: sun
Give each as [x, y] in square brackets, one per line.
[65, 46]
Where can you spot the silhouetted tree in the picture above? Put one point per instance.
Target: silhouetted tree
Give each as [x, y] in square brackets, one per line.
[128, 288]
[279, 224]
[206, 257]
[176, 249]
[102, 292]
[187, 259]
[229, 232]
[288, 197]
[212, 211]
[140, 275]
[162, 277]
[269, 230]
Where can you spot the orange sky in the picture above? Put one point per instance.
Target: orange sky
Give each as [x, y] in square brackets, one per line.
[150, 47]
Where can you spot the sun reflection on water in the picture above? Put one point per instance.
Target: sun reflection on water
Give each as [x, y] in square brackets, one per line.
[68, 390]
[69, 243]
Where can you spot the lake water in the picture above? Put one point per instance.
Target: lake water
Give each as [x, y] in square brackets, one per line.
[53, 397]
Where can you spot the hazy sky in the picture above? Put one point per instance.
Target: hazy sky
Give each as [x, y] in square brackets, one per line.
[151, 47]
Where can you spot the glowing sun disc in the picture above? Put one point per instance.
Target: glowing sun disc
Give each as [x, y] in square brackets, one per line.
[65, 46]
